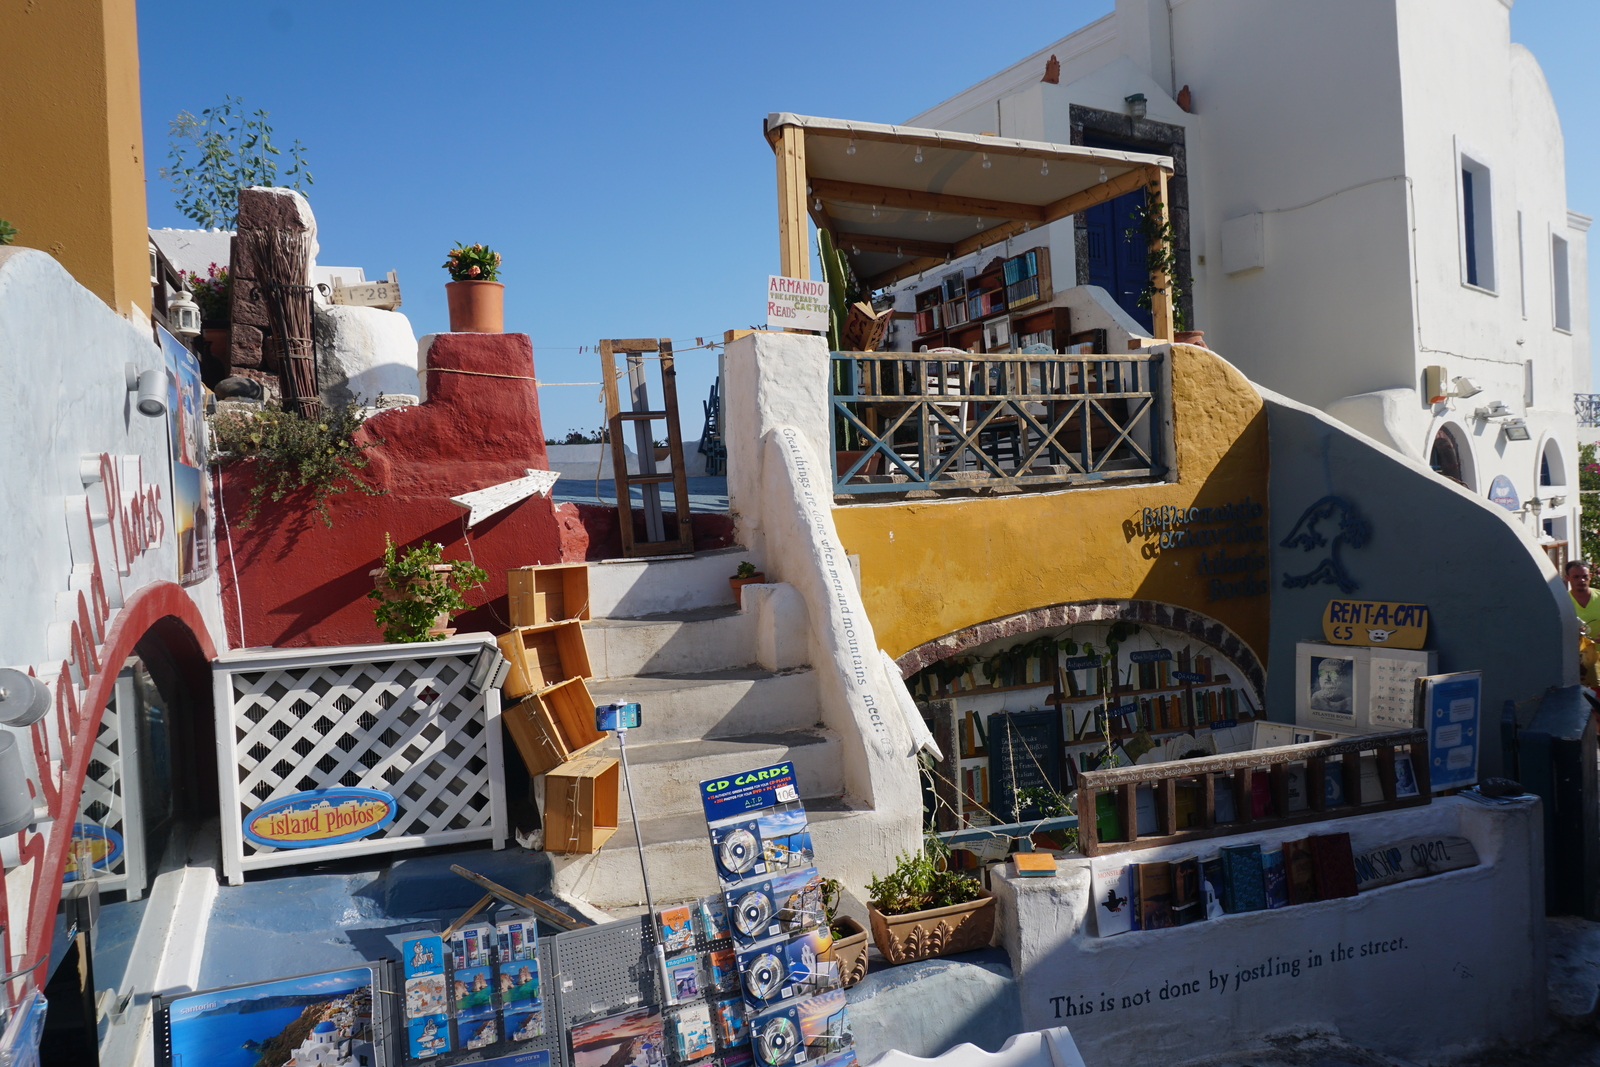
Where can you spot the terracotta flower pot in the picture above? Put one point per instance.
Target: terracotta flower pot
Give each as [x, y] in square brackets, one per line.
[476, 307]
[218, 340]
[1191, 337]
[851, 952]
[921, 935]
[393, 590]
[758, 578]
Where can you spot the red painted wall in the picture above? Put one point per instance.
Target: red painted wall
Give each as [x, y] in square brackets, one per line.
[303, 584]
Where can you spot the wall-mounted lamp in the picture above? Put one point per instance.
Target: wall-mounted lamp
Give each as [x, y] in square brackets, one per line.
[24, 698]
[1557, 501]
[151, 385]
[489, 670]
[16, 803]
[1439, 387]
[1136, 105]
[1496, 409]
[1516, 430]
[183, 315]
[1466, 387]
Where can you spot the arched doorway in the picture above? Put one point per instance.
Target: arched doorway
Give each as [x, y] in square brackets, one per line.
[1445, 457]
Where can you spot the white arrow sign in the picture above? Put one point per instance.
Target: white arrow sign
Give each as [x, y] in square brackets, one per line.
[485, 502]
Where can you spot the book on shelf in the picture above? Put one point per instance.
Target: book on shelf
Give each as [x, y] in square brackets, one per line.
[1296, 779]
[1242, 886]
[1144, 806]
[1113, 898]
[1274, 881]
[1211, 884]
[1188, 900]
[1107, 816]
[1299, 871]
[1222, 796]
[1154, 886]
[1333, 865]
[1260, 794]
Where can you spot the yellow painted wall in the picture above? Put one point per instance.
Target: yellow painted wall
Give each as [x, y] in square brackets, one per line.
[71, 147]
[934, 567]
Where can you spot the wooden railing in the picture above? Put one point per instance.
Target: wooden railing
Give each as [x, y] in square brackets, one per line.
[956, 420]
[1236, 772]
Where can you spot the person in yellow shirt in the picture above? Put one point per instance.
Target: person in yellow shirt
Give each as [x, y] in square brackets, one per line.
[1584, 601]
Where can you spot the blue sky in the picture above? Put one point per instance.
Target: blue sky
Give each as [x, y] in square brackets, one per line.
[612, 152]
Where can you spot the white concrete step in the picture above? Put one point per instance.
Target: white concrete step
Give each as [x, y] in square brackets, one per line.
[667, 775]
[635, 587]
[678, 851]
[696, 639]
[712, 704]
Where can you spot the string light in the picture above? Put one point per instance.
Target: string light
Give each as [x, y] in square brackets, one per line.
[874, 210]
[817, 203]
[929, 217]
[898, 254]
[1102, 174]
[918, 157]
[854, 251]
[987, 162]
[1044, 168]
[979, 226]
[850, 150]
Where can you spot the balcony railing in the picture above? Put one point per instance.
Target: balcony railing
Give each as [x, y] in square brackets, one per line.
[938, 421]
[1588, 408]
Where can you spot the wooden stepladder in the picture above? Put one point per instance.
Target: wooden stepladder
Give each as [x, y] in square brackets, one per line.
[640, 415]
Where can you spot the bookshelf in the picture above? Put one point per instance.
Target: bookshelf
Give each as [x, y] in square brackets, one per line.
[1002, 308]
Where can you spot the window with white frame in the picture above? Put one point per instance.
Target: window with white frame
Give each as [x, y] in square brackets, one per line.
[1477, 224]
[1559, 284]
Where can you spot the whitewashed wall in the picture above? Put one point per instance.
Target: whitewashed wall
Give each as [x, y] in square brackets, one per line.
[64, 399]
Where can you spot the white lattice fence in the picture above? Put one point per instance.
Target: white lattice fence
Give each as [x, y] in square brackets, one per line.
[102, 803]
[398, 718]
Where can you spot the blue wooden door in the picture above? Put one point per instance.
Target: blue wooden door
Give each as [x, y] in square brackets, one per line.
[1117, 259]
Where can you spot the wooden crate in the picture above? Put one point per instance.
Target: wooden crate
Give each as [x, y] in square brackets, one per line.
[543, 655]
[553, 725]
[548, 593]
[580, 804]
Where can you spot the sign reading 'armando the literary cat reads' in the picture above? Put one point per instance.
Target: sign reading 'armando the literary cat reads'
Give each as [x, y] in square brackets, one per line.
[319, 817]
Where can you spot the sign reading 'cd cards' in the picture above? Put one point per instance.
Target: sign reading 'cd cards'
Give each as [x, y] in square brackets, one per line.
[1375, 623]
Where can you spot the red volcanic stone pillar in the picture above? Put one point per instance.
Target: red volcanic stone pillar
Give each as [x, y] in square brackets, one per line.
[301, 583]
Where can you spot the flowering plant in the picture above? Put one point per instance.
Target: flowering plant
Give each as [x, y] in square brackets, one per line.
[473, 263]
[211, 291]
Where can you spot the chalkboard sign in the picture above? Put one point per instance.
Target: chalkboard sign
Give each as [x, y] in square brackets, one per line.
[1150, 655]
[1080, 663]
[1024, 753]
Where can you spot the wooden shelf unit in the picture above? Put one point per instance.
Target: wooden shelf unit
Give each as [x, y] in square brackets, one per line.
[1009, 298]
[549, 592]
[580, 804]
[543, 655]
[553, 725]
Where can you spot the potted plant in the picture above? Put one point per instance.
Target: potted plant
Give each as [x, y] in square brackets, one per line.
[418, 592]
[213, 292]
[477, 301]
[849, 936]
[922, 909]
[745, 575]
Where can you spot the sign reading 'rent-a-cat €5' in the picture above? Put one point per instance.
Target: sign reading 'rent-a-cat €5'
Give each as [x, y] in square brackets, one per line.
[1379, 624]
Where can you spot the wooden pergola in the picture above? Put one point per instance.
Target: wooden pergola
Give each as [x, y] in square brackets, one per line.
[904, 200]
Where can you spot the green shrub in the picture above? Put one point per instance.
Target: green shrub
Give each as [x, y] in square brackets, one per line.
[293, 453]
[416, 593]
[921, 881]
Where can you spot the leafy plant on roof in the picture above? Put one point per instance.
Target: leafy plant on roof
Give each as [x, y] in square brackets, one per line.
[1155, 230]
[220, 151]
[473, 263]
[8, 232]
[294, 454]
[212, 291]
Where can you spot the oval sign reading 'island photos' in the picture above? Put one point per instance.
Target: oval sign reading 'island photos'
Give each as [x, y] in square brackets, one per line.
[319, 817]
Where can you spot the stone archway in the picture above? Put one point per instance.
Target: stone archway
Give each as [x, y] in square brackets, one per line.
[1151, 612]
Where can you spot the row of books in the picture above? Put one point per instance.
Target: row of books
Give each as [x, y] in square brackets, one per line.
[1078, 683]
[1239, 878]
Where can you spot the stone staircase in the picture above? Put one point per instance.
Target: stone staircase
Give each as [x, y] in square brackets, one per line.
[713, 703]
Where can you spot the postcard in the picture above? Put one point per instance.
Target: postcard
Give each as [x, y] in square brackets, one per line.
[633, 1039]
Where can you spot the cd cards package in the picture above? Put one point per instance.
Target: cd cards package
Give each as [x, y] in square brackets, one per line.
[737, 847]
[764, 973]
[751, 910]
[775, 1035]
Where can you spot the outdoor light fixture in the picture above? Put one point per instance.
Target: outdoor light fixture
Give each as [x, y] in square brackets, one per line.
[24, 698]
[850, 150]
[816, 204]
[874, 210]
[16, 803]
[1136, 105]
[987, 162]
[1557, 501]
[1497, 409]
[183, 315]
[918, 157]
[489, 670]
[1044, 168]
[1102, 174]
[1466, 387]
[151, 387]
[1516, 430]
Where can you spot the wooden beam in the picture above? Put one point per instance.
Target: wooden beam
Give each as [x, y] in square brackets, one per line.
[869, 243]
[794, 253]
[1160, 281]
[1060, 209]
[934, 139]
[549, 914]
[917, 200]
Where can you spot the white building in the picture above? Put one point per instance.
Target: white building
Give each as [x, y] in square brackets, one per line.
[1363, 190]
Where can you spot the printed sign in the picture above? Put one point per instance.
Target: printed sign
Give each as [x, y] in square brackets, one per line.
[1151, 655]
[319, 817]
[754, 790]
[1452, 702]
[186, 428]
[101, 845]
[1375, 622]
[1502, 492]
[796, 304]
[317, 1018]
